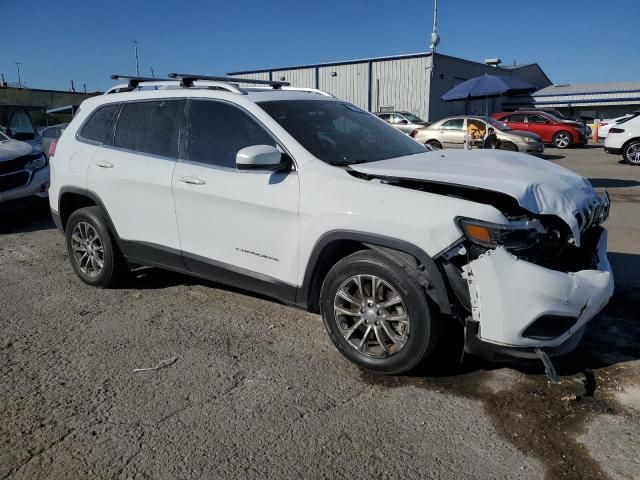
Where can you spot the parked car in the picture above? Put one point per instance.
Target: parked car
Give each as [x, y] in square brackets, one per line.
[310, 200]
[451, 132]
[51, 134]
[19, 126]
[624, 138]
[605, 125]
[24, 172]
[554, 131]
[406, 122]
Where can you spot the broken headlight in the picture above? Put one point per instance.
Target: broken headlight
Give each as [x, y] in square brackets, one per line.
[36, 162]
[515, 235]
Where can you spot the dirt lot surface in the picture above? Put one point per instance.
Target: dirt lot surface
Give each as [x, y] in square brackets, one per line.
[258, 391]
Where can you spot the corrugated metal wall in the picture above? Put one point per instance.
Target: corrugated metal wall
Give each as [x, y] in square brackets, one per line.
[350, 83]
[401, 84]
[299, 77]
[396, 82]
[253, 76]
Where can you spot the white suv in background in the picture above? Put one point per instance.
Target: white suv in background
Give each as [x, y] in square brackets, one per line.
[310, 200]
[624, 138]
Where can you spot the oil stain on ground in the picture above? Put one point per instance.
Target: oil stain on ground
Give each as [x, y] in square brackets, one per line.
[542, 420]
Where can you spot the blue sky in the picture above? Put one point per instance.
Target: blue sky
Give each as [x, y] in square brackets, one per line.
[573, 40]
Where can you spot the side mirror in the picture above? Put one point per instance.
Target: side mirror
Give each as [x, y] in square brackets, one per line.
[259, 156]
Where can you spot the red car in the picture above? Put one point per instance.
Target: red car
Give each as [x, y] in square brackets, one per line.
[554, 131]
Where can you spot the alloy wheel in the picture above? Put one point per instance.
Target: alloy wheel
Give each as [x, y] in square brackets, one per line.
[633, 154]
[371, 316]
[88, 250]
[562, 140]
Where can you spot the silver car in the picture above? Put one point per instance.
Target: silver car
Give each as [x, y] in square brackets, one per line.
[451, 132]
[406, 122]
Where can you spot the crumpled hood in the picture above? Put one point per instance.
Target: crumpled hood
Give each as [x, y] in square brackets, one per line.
[10, 149]
[539, 186]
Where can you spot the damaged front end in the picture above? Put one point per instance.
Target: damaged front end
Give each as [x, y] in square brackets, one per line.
[528, 288]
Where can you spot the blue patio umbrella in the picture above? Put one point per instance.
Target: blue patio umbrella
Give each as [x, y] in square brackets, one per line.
[486, 86]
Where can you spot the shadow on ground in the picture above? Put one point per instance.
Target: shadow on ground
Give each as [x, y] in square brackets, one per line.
[29, 218]
[613, 183]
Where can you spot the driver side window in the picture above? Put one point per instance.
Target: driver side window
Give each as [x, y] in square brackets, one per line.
[217, 131]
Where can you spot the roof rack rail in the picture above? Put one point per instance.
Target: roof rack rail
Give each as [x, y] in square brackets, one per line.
[134, 82]
[186, 80]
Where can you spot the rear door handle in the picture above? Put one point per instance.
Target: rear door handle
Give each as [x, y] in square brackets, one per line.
[103, 164]
[191, 180]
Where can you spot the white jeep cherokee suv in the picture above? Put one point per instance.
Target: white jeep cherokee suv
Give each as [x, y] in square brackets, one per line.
[312, 201]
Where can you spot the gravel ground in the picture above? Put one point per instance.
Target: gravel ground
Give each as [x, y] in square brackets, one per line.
[257, 389]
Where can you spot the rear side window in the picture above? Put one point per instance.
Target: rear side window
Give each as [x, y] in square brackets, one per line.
[148, 127]
[455, 124]
[100, 125]
[517, 117]
[217, 131]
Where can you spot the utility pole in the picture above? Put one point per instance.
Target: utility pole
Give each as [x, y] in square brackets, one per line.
[135, 46]
[435, 38]
[73, 87]
[153, 75]
[3, 83]
[84, 86]
[19, 79]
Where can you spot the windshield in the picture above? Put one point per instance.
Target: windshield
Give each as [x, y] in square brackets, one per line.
[412, 118]
[339, 133]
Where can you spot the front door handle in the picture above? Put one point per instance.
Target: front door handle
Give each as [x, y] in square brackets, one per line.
[191, 180]
[103, 164]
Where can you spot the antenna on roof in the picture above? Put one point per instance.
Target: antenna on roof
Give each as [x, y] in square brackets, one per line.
[187, 79]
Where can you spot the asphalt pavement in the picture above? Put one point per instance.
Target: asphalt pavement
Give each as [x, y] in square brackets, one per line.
[254, 389]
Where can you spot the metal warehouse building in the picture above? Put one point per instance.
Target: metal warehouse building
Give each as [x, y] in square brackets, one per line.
[591, 100]
[413, 82]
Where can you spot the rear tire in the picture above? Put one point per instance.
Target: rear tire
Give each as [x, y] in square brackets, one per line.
[435, 144]
[631, 152]
[562, 140]
[389, 331]
[93, 253]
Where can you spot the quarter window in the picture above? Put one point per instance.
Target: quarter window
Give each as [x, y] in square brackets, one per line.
[99, 127]
[148, 127]
[217, 131]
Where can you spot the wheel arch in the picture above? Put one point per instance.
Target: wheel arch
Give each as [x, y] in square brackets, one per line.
[626, 144]
[337, 244]
[73, 198]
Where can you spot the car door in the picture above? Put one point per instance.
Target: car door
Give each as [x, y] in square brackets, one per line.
[517, 121]
[237, 226]
[451, 133]
[131, 173]
[542, 126]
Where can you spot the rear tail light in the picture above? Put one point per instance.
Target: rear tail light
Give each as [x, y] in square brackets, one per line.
[52, 148]
[616, 130]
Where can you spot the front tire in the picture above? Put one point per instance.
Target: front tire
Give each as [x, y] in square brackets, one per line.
[562, 140]
[631, 152]
[377, 315]
[93, 254]
[509, 146]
